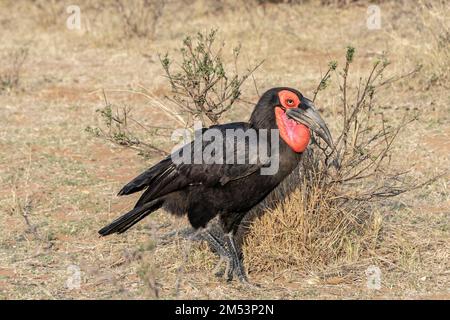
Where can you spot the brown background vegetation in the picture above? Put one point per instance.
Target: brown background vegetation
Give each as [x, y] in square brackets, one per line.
[59, 183]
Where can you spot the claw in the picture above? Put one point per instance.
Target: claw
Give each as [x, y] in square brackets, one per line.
[227, 252]
[230, 269]
[219, 273]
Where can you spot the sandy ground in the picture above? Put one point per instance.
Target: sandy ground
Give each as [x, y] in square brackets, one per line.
[67, 180]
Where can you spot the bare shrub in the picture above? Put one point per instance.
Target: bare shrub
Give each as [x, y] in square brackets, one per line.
[13, 62]
[428, 40]
[433, 18]
[139, 17]
[201, 89]
[23, 203]
[330, 216]
[121, 128]
[148, 271]
[49, 12]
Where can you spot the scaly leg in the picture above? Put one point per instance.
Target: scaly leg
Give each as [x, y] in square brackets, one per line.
[236, 260]
[218, 246]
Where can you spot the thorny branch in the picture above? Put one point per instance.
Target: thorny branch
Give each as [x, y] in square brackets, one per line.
[201, 89]
[364, 147]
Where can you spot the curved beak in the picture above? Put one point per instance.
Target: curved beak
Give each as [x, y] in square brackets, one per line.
[308, 116]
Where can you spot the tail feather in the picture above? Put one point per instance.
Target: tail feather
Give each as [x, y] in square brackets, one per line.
[137, 184]
[129, 219]
[147, 178]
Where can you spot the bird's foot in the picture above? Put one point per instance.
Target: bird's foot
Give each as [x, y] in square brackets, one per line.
[236, 265]
[230, 269]
[228, 253]
[236, 268]
[218, 270]
[219, 273]
[233, 269]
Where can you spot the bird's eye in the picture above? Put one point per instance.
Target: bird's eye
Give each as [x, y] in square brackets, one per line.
[290, 102]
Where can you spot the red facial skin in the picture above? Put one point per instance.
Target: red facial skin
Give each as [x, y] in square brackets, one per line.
[296, 135]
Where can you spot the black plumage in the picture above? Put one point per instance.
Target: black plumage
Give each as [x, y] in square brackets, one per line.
[205, 190]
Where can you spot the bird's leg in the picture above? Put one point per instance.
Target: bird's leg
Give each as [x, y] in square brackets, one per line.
[218, 246]
[218, 272]
[229, 270]
[236, 260]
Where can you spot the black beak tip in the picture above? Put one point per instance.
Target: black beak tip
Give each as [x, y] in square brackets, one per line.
[310, 117]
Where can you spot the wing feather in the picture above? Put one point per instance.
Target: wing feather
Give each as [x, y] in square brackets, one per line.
[167, 176]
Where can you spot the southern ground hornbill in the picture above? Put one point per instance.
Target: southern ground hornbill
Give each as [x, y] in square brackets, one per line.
[228, 188]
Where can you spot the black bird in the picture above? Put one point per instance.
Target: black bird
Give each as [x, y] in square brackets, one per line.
[203, 190]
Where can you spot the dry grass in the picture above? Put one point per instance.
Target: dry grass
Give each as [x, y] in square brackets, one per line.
[427, 40]
[14, 60]
[331, 217]
[140, 18]
[73, 178]
[309, 231]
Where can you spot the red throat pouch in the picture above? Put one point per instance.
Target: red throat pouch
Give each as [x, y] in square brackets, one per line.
[296, 135]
